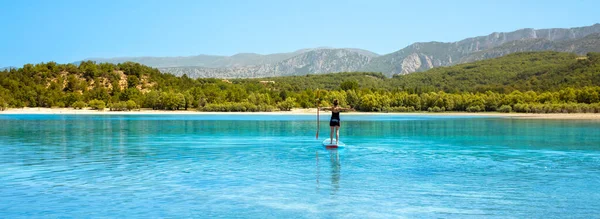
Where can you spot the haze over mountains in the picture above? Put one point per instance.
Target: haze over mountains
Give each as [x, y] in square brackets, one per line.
[413, 58]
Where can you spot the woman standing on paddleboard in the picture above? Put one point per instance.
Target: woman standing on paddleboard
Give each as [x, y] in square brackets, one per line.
[335, 122]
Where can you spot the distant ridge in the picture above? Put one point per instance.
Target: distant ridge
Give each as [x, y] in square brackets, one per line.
[415, 57]
[213, 61]
[423, 56]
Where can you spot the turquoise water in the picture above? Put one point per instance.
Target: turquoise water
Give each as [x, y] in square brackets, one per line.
[271, 166]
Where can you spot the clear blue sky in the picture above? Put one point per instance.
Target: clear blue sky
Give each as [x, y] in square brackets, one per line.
[66, 31]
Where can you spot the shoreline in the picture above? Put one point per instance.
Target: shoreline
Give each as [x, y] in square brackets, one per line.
[298, 111]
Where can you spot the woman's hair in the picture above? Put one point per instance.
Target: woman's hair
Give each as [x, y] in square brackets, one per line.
[335, 102]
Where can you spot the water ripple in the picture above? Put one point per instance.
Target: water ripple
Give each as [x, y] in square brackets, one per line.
[273, 167]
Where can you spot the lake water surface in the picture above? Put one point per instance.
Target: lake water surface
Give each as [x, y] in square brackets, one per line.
[271, 166]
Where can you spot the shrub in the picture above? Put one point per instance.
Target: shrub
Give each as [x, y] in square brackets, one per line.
[59, 104]
[349, 85]
[436, 109]
[287, 104]
[18, 104]
[120, 106]
[537, 108]
[3, 105]
[123, 106]
[474, 109]
[521, 108]
[557, 108]
[400, 109]
[97, 104]
[586, 108]
[79, 105]
[505, 109]
[595, 107]
[552, 108]
[131, 105]
[265, 108]
[235, 107]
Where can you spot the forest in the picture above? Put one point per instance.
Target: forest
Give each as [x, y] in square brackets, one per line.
[536, 82]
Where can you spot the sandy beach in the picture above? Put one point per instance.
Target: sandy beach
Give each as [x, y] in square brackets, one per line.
[298, 111]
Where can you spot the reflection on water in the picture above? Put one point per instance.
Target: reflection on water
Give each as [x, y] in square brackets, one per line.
[334, 160]
[515, 133]
[334, 166]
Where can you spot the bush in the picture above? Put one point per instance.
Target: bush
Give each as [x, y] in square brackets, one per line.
[18, 104]
[235, 107]
[505, 109]
[521, 108]
[474, 109]
[436, 109]
[265, 108]
[537, 108]
[123, 106]
[97, 104]
[287, 104]
[118, 106]
[3, 105]
[553, 108]
[59, 104]
[595, 107]
[79, 105]
[557, 108]
[399, 109]
[131, 105]
[349, 85]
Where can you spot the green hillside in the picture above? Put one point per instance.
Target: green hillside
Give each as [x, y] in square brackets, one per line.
[537, 71]
[524, 82]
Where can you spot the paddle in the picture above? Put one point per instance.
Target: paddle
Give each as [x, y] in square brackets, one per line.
[318, 113]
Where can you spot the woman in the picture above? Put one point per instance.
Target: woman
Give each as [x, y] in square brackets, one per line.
[335, 122]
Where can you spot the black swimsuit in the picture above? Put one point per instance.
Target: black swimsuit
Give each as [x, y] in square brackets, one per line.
[335, 119]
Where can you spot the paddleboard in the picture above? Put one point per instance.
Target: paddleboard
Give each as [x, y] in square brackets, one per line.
[328, 144]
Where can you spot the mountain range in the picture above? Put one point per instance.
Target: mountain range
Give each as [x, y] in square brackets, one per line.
[413, 58]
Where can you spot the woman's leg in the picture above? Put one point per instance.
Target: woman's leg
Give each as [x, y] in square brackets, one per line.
[337, 134]
[331, 134]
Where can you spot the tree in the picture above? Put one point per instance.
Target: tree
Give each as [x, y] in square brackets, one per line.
[188, 99]
[72, 84]
[352, 98]
[70, 98]
[98, 93]
[131, 105]
[79, 105]
[259, 98]
[3, 105]
[339, 95]
[349, 85]
[568, 95]
[287, 104]
[372, 102]
[97, 104]
[414, 101]
[236, 94]
[594, 57]
[89, 69]
[152, 100]
[283, 94]
[132, 81]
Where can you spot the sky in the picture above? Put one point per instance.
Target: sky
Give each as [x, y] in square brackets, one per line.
[34, 31]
